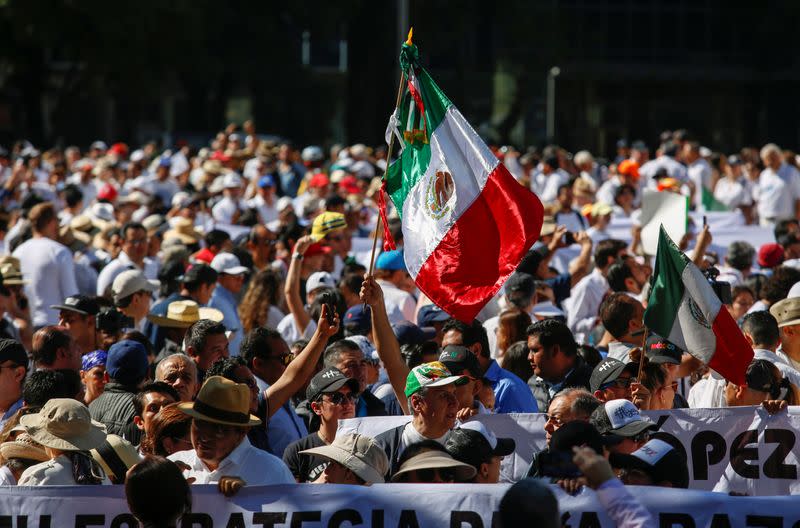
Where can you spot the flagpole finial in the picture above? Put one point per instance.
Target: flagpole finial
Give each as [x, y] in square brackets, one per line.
[410, 34]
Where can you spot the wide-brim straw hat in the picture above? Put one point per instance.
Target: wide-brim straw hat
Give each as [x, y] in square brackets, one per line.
[222, 401]
[23, 446]
[116, 456]
[183, 229]
[65, 424]
[183, 314]
[435, 460]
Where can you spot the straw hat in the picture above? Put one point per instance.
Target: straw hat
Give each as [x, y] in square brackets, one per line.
[183, 314]
[64, 423]
[222, 401]
[184, 230]
[10, 271]
[116, 456]
[23, 446]
[435, 460]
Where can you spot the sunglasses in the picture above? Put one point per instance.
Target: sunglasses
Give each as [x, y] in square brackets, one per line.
[620, 383]
[430, 475]
[337, 398]
[284, 359]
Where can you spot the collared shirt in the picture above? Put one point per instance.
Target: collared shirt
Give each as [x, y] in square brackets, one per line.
[511, 394]
[773, 197]
[583, 304]
[733, 193]
[284, 427]
[223, 300]
[400, 305]
[254, 466]
[118, 265]
[50, 272]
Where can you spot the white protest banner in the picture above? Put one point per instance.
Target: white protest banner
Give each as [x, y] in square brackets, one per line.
[662, 208]
[757, 453]
[379, 506]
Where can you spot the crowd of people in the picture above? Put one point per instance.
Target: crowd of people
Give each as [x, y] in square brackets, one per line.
[206, 316]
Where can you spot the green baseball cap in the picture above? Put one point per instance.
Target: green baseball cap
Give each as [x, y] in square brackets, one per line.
[433, 374]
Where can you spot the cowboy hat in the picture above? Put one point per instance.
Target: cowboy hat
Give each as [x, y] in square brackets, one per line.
[222, 401]
[184, 230]
[65, 424]
[183, 314]
[116, 456]
[23, 446]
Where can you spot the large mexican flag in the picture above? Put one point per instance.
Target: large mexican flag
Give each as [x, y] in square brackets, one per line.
[467, 222]
[684, 308]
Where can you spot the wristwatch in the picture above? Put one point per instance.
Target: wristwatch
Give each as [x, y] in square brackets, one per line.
[297, 256]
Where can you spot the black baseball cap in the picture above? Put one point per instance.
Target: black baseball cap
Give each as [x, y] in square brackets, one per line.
[429, 314]
[521, 282]
[81, 304]
[607, 371]
[659, 351]
[327, 381]
[202, 273]
[577, 434]
[658, 459]
[473, 443]
[457, 358]
[12, 350]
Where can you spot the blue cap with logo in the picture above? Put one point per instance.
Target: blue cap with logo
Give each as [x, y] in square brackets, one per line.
[391, 260]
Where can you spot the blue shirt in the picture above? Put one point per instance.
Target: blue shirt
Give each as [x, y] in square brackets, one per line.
[224, 301]
[511, 394]
[10, 412]
[284, 427]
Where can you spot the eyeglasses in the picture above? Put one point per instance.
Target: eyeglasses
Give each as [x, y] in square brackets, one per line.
[337, 398]
[283, 359]
[620, 383]
[137, 242]
[644, 436]
[553, 418]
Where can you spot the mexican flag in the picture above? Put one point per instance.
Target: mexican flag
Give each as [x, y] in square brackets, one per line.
[466, 221]
[710, 203]
[684, 308]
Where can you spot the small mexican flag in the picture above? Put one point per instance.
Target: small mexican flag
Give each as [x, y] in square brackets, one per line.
[684, 308]
[467, 222]
[710, 203]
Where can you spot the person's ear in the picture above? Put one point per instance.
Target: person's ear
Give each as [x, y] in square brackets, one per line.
[106, 377]
[415, 402]
[749, 338]
[599, 395]
[316, 408]
[137, 420]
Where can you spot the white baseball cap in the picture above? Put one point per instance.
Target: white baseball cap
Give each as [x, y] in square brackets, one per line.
[231, 181]
[131, 281]
[319, 279]
[229, 264]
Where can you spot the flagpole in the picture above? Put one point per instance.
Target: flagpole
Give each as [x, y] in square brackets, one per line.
[642, 356]
[388, 161]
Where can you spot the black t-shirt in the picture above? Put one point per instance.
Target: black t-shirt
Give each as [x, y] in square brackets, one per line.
[305, 468]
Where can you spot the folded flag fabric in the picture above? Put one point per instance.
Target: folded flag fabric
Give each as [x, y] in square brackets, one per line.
[684, 308]
[466, 221]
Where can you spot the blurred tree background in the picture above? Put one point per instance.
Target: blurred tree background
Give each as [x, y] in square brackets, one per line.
[72, 71]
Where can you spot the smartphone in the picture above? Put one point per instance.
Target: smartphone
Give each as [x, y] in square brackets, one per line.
[328, 300]
[557, 464]
[705, 221]
[569, 238]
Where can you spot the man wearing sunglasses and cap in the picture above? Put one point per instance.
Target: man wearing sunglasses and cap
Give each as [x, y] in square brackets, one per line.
[332, 396]
[220, 421]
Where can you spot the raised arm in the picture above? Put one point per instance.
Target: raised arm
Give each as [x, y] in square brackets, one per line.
[385, 340]
[302, 367]
[579, 267]
[292, 287]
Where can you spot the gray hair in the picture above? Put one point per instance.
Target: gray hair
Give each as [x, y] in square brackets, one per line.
[768, 149]
[583, 403]
[334, 351]
[740, 255]
[186, 360]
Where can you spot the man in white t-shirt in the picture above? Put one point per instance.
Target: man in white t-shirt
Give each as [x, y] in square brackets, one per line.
[46, 265]
[778, 189]
[549, 180]
[265, 201]
[227, 210]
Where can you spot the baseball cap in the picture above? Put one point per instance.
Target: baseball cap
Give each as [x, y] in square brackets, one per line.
[202, 273]
[229, 264]
[81, 304]
[366, 347]
[231, 181]
[605, 372]
[429, 314]
[325, 223]
[127, 362]
[770, 255]
[12, 350]
[129, 282]
[390, 260]
[433, 374]
[317, 249]
[457, 358]
[320, 279]
[319, 179]
[659, 350]
[473, 443]
[357, 319]
[266, 181]
[521, 282]
[620, 418]
[657, 459]
[408, 333]
[786, 311]
[327, 381]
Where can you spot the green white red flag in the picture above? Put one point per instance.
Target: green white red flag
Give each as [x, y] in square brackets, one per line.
[466, 221]
[684, 308]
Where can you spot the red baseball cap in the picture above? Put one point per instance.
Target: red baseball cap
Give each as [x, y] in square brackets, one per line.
[107, 192]
[320, 179]
[770, 255]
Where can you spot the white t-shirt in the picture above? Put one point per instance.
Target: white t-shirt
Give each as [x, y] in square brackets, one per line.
[773, 197]
[50, 272]
[266, 212]
[224, 210]
[700, 174]
[733, 193]
[412, 436]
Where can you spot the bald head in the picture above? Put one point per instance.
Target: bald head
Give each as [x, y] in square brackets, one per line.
[179, 371]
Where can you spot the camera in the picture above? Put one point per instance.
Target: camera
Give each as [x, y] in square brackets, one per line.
[112, 321]
[721, 289]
